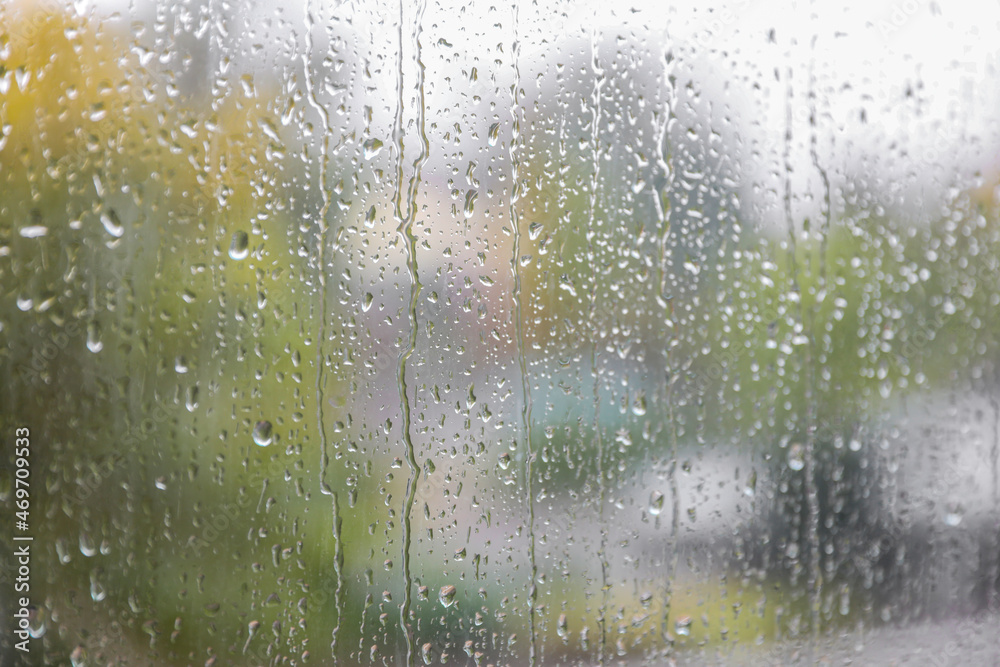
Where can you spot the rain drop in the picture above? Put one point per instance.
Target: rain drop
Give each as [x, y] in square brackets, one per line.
[87, 547]
[94, 343]
[262, 433]
[97, 590]
[562, 627]
[656, 500]
[953, 514]
[112, 224]
[447, 595]
[240, 247]
[372, 148]
[191, 400]
[796, 457]
[470, 202]
[33, 231]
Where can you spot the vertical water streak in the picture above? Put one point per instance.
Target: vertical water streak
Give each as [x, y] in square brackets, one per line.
[823, 174]
[321, 326]
[515, 190]
[321, 243]
[405, 217]
[664, 301]
[592, 223]
[814, 580]
[993, 597]
[813, 388]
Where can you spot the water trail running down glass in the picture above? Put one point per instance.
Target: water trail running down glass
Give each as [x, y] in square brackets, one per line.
[592, 223]
[405, 218]
[516, 113]
[809, 472]
[662, 207]
[321, 323]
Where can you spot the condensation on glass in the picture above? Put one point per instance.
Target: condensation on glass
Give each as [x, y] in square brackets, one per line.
[550, 333]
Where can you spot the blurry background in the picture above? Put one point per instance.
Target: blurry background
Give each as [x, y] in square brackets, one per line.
[541, 333]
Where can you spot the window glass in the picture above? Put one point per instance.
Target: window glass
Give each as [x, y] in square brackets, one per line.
[527, 333]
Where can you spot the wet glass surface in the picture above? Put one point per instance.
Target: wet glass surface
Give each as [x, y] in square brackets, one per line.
[500, 333]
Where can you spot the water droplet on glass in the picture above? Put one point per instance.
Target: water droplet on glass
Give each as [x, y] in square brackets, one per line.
[33, 231]
[447, 595]
[36, 623]
[885, 388]
[562, 627]
[796, 457]
[683, 626]
[262, 433]
[252, 628]
[470, 202]
[953, 514]
[656, 500]
[62, 551]
[191, 400]
[97, 590]
[94, 343]
[372, 148]
[240, 247]
[87, 546]
[494, 134]
[112, 224]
